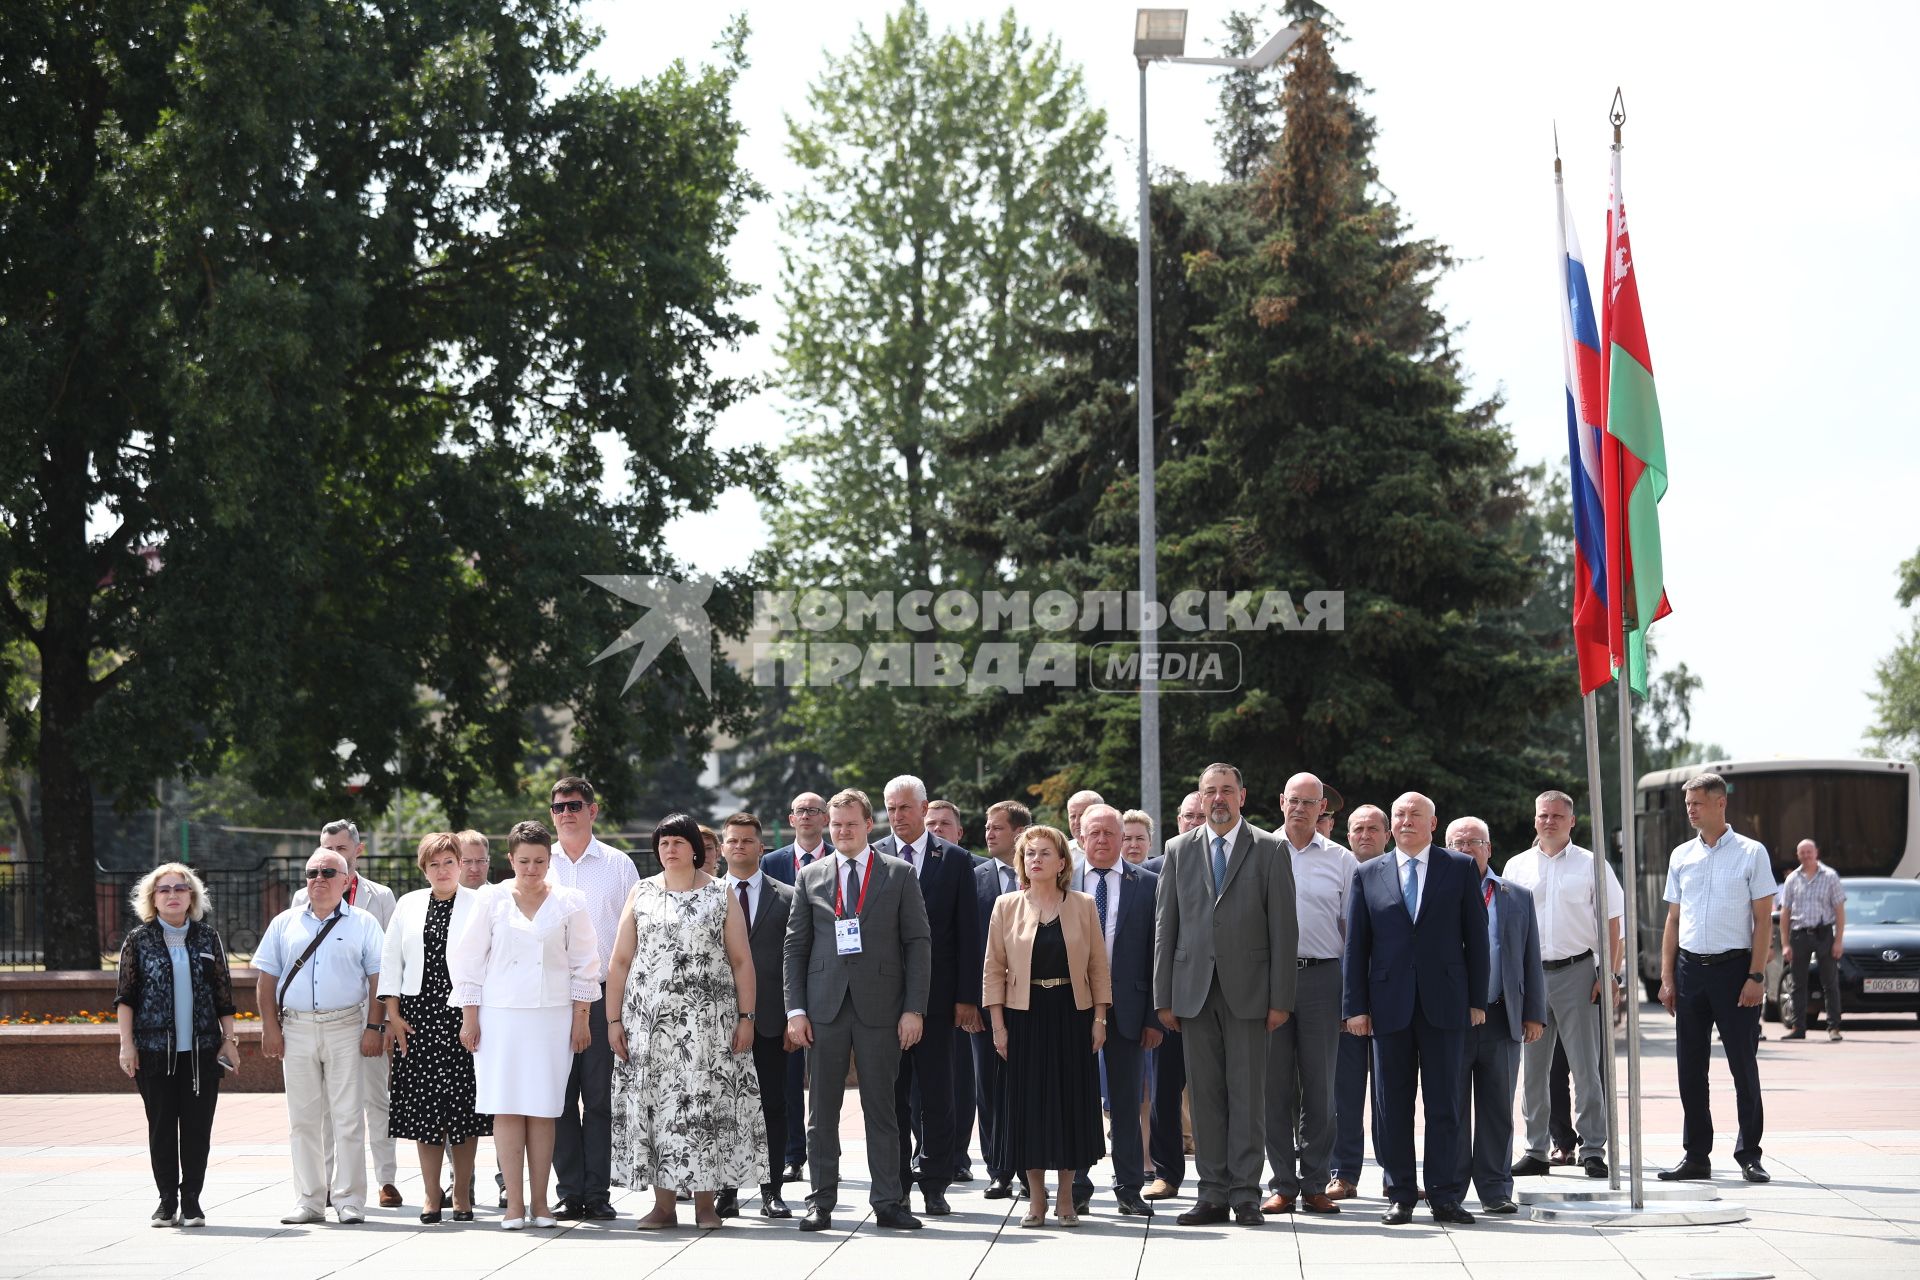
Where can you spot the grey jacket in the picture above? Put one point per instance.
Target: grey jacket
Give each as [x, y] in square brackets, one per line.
[1248, 936]
[894, 969]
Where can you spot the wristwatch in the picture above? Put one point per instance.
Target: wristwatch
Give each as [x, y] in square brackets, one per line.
[746, 1017]
[376, 1026]
[1760, 978]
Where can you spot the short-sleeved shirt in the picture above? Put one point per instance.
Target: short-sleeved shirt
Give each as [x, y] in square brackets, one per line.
[1808, 904]
[336, 976]
[1716, 886]
[1322, 874]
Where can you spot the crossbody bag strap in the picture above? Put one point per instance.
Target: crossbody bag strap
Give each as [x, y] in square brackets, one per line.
[280, 991]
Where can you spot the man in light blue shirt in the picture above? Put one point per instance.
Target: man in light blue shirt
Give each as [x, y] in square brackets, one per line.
[1713, 959]
[321, 1017]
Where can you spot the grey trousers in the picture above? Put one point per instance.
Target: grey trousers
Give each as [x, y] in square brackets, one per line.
[1486, 1107]
[1301, 1058]
[835, 1045]
[1574, 1017]
[1807, 944]
[1227, 1075]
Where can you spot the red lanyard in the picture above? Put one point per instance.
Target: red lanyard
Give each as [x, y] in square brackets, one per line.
[839, 903]
[352, 886]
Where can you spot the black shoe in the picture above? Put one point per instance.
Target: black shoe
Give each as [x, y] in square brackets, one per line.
[1397, 1215]
[1205, 1214]
[1247, 1214]
[1499, 1206]
[963, 1174]
[1529, 1167]
[726, 1203]
[1595, 1167]
[1795, 1034]
[1019, 1189]
[429, 1215]
[1688, 1170]
[1081, 1203]
[816, 1219]
[570, 1209]
[793, 1170]
[771, 1205]
[937, 1206]
[1754, 1171]
[1131, 1205]
[896, 1217]
[463, 1215]
[1452, 1213]
[998, 1189]
[600, 1211]
[165, 1215]
[191, 1214]
[503, 1198]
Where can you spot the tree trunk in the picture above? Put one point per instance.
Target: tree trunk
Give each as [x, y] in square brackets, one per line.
[66, 810]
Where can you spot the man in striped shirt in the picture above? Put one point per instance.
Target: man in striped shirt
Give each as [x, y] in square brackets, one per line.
[1813, 921]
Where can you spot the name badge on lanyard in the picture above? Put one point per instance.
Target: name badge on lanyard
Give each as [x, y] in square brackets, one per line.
[846, 929]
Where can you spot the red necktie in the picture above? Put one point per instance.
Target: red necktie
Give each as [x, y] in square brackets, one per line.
[1488, 886]
[745, 910]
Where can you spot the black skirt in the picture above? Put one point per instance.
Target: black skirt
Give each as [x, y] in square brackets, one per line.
[1050, 1102]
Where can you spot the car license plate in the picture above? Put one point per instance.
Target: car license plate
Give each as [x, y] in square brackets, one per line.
[1890, 986]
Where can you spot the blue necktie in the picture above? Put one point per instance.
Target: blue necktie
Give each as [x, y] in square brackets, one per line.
[1007, 882]
[1410, 890]
[1219, 865]
[1100, 901]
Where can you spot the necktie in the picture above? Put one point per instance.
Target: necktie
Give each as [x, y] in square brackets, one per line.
[853, 888]
[1100, 901]
[1006, 879]
[745, 909]
[1219, 864]
[906, 851]
[1410, 890]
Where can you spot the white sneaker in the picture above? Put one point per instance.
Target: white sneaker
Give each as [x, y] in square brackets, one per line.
[349, 1214]
[304, 1218]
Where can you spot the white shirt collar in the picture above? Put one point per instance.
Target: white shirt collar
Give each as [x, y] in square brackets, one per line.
[1232, 835]
[1319, 841]
[860, 857]
[1419, 857]
[752, 881]
[594, 849]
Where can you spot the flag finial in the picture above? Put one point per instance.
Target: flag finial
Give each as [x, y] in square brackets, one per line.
[1617, 113]
[1556, 148]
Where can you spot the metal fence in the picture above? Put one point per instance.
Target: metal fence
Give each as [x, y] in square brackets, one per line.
[243, 899]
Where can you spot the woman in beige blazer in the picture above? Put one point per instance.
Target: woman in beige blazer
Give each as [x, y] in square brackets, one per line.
[1047, 989]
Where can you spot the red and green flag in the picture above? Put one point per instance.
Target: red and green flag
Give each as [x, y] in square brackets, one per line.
[1633, 458]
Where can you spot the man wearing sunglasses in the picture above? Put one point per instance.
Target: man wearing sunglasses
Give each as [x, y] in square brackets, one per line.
[320, 1016]
[343, 837]
[583, 1134]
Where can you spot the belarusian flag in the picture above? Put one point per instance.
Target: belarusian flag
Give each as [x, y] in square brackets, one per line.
[1634, 462]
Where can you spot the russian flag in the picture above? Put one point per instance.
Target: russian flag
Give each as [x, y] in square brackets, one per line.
[1586, 418]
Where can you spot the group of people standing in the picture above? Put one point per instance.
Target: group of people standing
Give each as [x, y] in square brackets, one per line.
[1267, 974]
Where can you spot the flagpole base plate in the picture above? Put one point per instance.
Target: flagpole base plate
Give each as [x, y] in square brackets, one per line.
[1657, 1213]
[1589, 1195]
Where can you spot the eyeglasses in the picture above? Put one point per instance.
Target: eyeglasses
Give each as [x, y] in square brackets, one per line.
[567, 806]
[812, 811]
[323, 873]
[173, 888]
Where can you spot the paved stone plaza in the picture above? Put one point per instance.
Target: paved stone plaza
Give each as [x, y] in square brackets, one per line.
[1843, 1144]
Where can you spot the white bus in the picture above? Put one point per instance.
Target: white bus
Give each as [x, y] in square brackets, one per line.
[1864, 815]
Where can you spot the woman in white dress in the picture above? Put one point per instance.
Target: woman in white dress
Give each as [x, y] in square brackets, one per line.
[525, 970]
[686, 1099]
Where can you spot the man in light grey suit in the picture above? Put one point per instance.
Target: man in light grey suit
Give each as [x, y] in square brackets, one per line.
[858, 964]
[1225, 940]
[1516, 1015]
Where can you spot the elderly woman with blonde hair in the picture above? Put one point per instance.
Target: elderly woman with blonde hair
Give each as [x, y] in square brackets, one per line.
[178, 995]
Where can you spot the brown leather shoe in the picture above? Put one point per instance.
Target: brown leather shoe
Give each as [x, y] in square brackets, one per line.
[390, 1196]
[1341, 1189]
[1277, 1203]
[1160, 1189]
[1318, 1203]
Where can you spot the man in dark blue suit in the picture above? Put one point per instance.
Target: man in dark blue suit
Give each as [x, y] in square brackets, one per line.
[808, 816]
[946, 883]
[1123, 900]
[1168, 1147]
[1004, 822]
[1415, 979]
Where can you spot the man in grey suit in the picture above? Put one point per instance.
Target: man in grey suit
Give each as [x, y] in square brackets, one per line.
[1225, 941]
[1516, 1014]
[858, 964]
[766, 903]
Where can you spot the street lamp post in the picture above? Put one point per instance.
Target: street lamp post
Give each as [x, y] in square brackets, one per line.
[1160, 35]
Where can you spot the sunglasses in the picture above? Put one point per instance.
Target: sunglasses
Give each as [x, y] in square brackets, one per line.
[173, 888]
[566, 806]
[324, 873]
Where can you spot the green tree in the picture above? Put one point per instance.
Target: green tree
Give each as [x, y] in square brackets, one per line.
[309, 314]
[1897, 730]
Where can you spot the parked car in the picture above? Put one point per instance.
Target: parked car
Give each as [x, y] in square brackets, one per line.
[1880, 967]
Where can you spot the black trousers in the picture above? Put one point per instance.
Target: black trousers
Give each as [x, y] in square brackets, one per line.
[179, 1121]
[770, 1065]
[928, 1065]
[989, 1077]
[583, 1134]
[1808, 943]
[1709, 999]
[796, 1085]
[1168, 1151]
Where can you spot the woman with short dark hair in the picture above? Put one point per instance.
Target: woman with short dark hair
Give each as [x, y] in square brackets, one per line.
[178, 994]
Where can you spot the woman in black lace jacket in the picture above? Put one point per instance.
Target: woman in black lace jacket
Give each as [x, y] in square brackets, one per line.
[176, 1032]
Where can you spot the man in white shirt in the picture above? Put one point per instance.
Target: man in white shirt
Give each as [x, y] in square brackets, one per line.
[583, 1134]
[1303, 1051]
[1559, 875]
[1077, 805]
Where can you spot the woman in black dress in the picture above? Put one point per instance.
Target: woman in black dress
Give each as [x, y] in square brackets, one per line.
[432, 1083]
[1047, 988]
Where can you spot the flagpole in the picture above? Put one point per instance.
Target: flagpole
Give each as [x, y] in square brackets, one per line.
[1602, 950]
[1629, 869]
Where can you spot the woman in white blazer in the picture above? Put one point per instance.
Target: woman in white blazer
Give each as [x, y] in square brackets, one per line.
[432, 1083]
[525, 972]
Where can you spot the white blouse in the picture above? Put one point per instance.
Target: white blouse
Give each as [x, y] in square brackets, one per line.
[501, 958]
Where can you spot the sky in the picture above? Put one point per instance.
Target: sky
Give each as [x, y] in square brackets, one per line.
[1769, 173]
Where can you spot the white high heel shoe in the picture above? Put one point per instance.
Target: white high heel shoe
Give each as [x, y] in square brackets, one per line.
[513, 1224]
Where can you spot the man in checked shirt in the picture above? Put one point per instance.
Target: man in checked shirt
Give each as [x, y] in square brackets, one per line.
[1813, 922]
